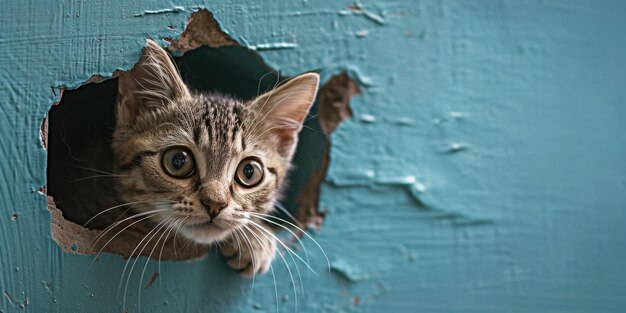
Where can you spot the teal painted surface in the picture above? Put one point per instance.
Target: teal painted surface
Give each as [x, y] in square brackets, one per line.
[483, 170]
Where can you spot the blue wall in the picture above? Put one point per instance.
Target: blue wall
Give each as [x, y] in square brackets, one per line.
[482, 171]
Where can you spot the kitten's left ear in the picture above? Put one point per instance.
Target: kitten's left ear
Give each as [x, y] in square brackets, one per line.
[153, 81]
[282, 111]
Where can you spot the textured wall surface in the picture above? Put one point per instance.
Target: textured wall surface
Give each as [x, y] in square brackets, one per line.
[482, 171]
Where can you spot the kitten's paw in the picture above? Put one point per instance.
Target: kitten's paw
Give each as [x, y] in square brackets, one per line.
[252, 256]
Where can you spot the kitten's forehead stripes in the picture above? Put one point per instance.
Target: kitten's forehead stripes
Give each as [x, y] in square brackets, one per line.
[219, 121]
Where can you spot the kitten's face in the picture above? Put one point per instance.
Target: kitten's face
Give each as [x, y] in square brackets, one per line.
[204, 163]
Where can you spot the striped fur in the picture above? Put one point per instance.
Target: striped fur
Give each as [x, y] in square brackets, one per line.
[156, 111]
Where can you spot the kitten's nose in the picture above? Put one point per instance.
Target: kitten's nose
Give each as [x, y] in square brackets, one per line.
[213, 207]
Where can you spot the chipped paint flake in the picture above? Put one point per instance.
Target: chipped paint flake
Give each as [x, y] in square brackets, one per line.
[396, 180]
[176, 9]
[346, 270]
[13, 301]
[357, 9]
[456, 115]
[368, 118]
[272, 46]
[403, 121]
[362, 33]
[455, 147]
[46, 286]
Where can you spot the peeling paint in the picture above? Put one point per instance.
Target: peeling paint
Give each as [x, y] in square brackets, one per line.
[358, 75]
[457, 115]
[346, 270]
[46, 287]
[362, 33]
[334, 108]
[272, 46]
[403, 121]
[22, 304]
[358, 9]
[455, 147]
[201, 29]
[367, 118]
[176, 9]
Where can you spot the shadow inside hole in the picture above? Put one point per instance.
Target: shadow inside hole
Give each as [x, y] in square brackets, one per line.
[80, 159]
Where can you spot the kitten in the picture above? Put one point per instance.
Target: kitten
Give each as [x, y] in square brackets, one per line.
[207, 162]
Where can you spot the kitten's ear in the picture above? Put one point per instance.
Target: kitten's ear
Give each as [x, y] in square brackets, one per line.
[153, 81]
[282, 111]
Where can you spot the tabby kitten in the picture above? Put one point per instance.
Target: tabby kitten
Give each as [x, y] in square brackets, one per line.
[208, 163]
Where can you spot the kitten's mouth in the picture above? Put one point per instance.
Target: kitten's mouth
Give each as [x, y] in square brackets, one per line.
[204, 231]
[204, 224]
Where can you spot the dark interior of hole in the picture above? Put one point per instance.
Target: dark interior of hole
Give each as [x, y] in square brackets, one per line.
[81, 126]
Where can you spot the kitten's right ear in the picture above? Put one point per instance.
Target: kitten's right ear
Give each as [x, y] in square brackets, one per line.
[152, 82]
[282, 111]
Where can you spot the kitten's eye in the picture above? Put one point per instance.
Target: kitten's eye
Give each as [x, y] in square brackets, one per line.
[178, 162]
[249, 172]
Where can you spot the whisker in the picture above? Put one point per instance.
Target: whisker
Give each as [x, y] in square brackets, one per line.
[130, 256]
[130, 272]
[290, 231]
[186, 244]
[95, 176]
[271, 93]
[293, 283]
[103, 232]
[239, 247]
[270, 96]
[143, 272]
[117, 222]
[300, 229]
[258, 87]
[63, 137]
[165, 241]
[252, 256]
[282, 208]
[258, 123]
[111, 239]
[94, 170]
[275, 287]
[290, 254]
[112, 208]
[175, 237]
[112, 226]
[284, 245]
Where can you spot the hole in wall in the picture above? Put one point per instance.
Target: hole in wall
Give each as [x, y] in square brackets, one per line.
[333, 107]
[77, 134]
